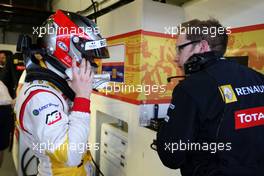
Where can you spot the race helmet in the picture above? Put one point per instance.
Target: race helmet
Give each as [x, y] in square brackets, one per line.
[66, 35]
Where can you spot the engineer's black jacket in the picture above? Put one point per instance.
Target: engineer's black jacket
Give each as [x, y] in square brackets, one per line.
[198, 114]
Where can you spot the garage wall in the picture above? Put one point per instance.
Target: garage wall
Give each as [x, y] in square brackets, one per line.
[140, 14]
[121, 20]
[8, 47]
[10, 37]
[77, 5]
[157, 16]
[246, 17]
[70, 5]
[230, 12]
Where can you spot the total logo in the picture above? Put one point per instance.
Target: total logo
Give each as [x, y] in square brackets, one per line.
[249, 117]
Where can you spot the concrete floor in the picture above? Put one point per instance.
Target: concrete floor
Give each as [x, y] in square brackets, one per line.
[8, 167]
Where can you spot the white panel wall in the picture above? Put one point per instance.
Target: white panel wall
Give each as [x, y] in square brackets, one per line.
[77, 5]
[157, 16]
[140, 14]
[122, 20]
[234, 13]
[10, 37]
[70, 5]
[8, 47]
[141, 159]
[119, 21]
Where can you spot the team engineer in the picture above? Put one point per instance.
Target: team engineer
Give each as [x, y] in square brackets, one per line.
[214, 124]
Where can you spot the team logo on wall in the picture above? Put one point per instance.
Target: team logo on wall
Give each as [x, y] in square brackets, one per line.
[228, 93]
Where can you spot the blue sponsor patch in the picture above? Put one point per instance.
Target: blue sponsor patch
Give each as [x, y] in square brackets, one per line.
[35, 112]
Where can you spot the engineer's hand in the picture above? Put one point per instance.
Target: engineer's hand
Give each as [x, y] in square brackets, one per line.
[82, 79]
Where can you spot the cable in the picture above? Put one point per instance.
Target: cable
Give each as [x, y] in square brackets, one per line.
[96, 166]
[81, 12]
[172, 77]
[24, 167]
[94, 7]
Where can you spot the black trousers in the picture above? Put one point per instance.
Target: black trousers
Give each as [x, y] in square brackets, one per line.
[6, 125]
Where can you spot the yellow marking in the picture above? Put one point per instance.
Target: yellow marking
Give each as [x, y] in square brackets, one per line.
[59, 160]
[227, 93]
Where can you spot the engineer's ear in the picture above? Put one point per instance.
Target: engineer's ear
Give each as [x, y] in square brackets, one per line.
[204, 46]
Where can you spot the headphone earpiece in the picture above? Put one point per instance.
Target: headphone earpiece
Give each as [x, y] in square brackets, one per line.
[197, 61]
